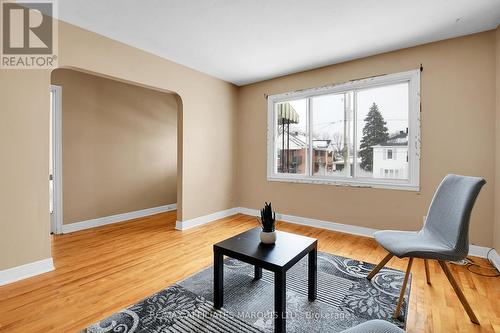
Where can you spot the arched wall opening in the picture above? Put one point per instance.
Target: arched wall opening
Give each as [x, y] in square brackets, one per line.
[121, 147]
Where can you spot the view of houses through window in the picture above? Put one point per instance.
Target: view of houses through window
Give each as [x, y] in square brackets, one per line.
[382, 135]
[292, 139]
[361, 133]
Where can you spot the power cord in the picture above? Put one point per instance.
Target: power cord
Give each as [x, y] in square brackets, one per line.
[470, 264]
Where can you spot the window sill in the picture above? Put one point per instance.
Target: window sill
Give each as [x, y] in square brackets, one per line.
[346, 183]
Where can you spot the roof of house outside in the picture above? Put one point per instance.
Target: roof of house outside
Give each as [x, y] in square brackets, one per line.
[396, 139]
[299, 141]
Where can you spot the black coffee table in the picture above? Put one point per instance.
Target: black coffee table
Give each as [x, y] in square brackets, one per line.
[278, 258]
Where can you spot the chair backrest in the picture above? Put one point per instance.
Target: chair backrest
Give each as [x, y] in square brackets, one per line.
[450, 210]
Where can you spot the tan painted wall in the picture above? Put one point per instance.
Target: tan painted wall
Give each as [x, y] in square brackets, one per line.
[24, 121]
[208, 121]
[119, 146]
[458, 99]
[458, 117]
[496, 243]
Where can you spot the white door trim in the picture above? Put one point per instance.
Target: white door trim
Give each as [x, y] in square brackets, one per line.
[56, 220]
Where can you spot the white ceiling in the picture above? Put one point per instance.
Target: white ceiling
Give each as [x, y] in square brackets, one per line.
[247, 41]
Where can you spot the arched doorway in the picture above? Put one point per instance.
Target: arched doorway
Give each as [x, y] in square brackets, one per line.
[113, 151]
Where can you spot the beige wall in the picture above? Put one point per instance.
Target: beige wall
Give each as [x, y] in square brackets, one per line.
[24, 120]
[208, 120]
[119, 146]
[458, 117]
[219, 169]
[496, 243]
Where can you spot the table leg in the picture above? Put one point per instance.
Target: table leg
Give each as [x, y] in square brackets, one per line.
[280, 301]
[257, 272]
[313, 275]
[218, 279]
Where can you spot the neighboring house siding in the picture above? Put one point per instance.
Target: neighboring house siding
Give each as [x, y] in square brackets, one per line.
[390, 162]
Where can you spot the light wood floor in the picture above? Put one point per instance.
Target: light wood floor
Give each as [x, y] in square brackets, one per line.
[103, 270]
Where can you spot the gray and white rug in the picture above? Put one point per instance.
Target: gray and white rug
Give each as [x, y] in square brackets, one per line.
[345, 299]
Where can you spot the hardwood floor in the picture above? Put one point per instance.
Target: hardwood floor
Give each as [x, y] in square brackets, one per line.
[103, 270]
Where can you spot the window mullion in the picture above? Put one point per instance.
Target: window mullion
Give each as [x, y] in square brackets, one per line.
[310, 136]
[355, 134]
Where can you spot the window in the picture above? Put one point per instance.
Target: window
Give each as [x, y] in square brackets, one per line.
[360, 133]
[389, 154]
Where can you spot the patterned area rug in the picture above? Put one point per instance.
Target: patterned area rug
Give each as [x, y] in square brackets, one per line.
[345, 299]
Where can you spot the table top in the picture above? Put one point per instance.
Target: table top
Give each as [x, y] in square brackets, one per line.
[288, 249]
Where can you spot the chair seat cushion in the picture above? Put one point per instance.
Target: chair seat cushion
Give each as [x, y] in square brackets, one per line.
[415, 244]
[374, 326]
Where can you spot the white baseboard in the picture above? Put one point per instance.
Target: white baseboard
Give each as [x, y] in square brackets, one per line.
[478, 251]
[187, 224]
[349, 229]
[248, 211]
[345, 228]
[474, 250]
[495, 259]
[67, 228]
[25, 271]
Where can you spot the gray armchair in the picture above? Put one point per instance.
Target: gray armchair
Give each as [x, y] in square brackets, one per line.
[444, 237]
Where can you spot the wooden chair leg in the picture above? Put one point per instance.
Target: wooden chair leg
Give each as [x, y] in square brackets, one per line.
[427, 273]
[459, 292]
[379, 266]
[403, 289]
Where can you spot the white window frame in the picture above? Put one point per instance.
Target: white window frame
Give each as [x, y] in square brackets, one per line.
[412, 77]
